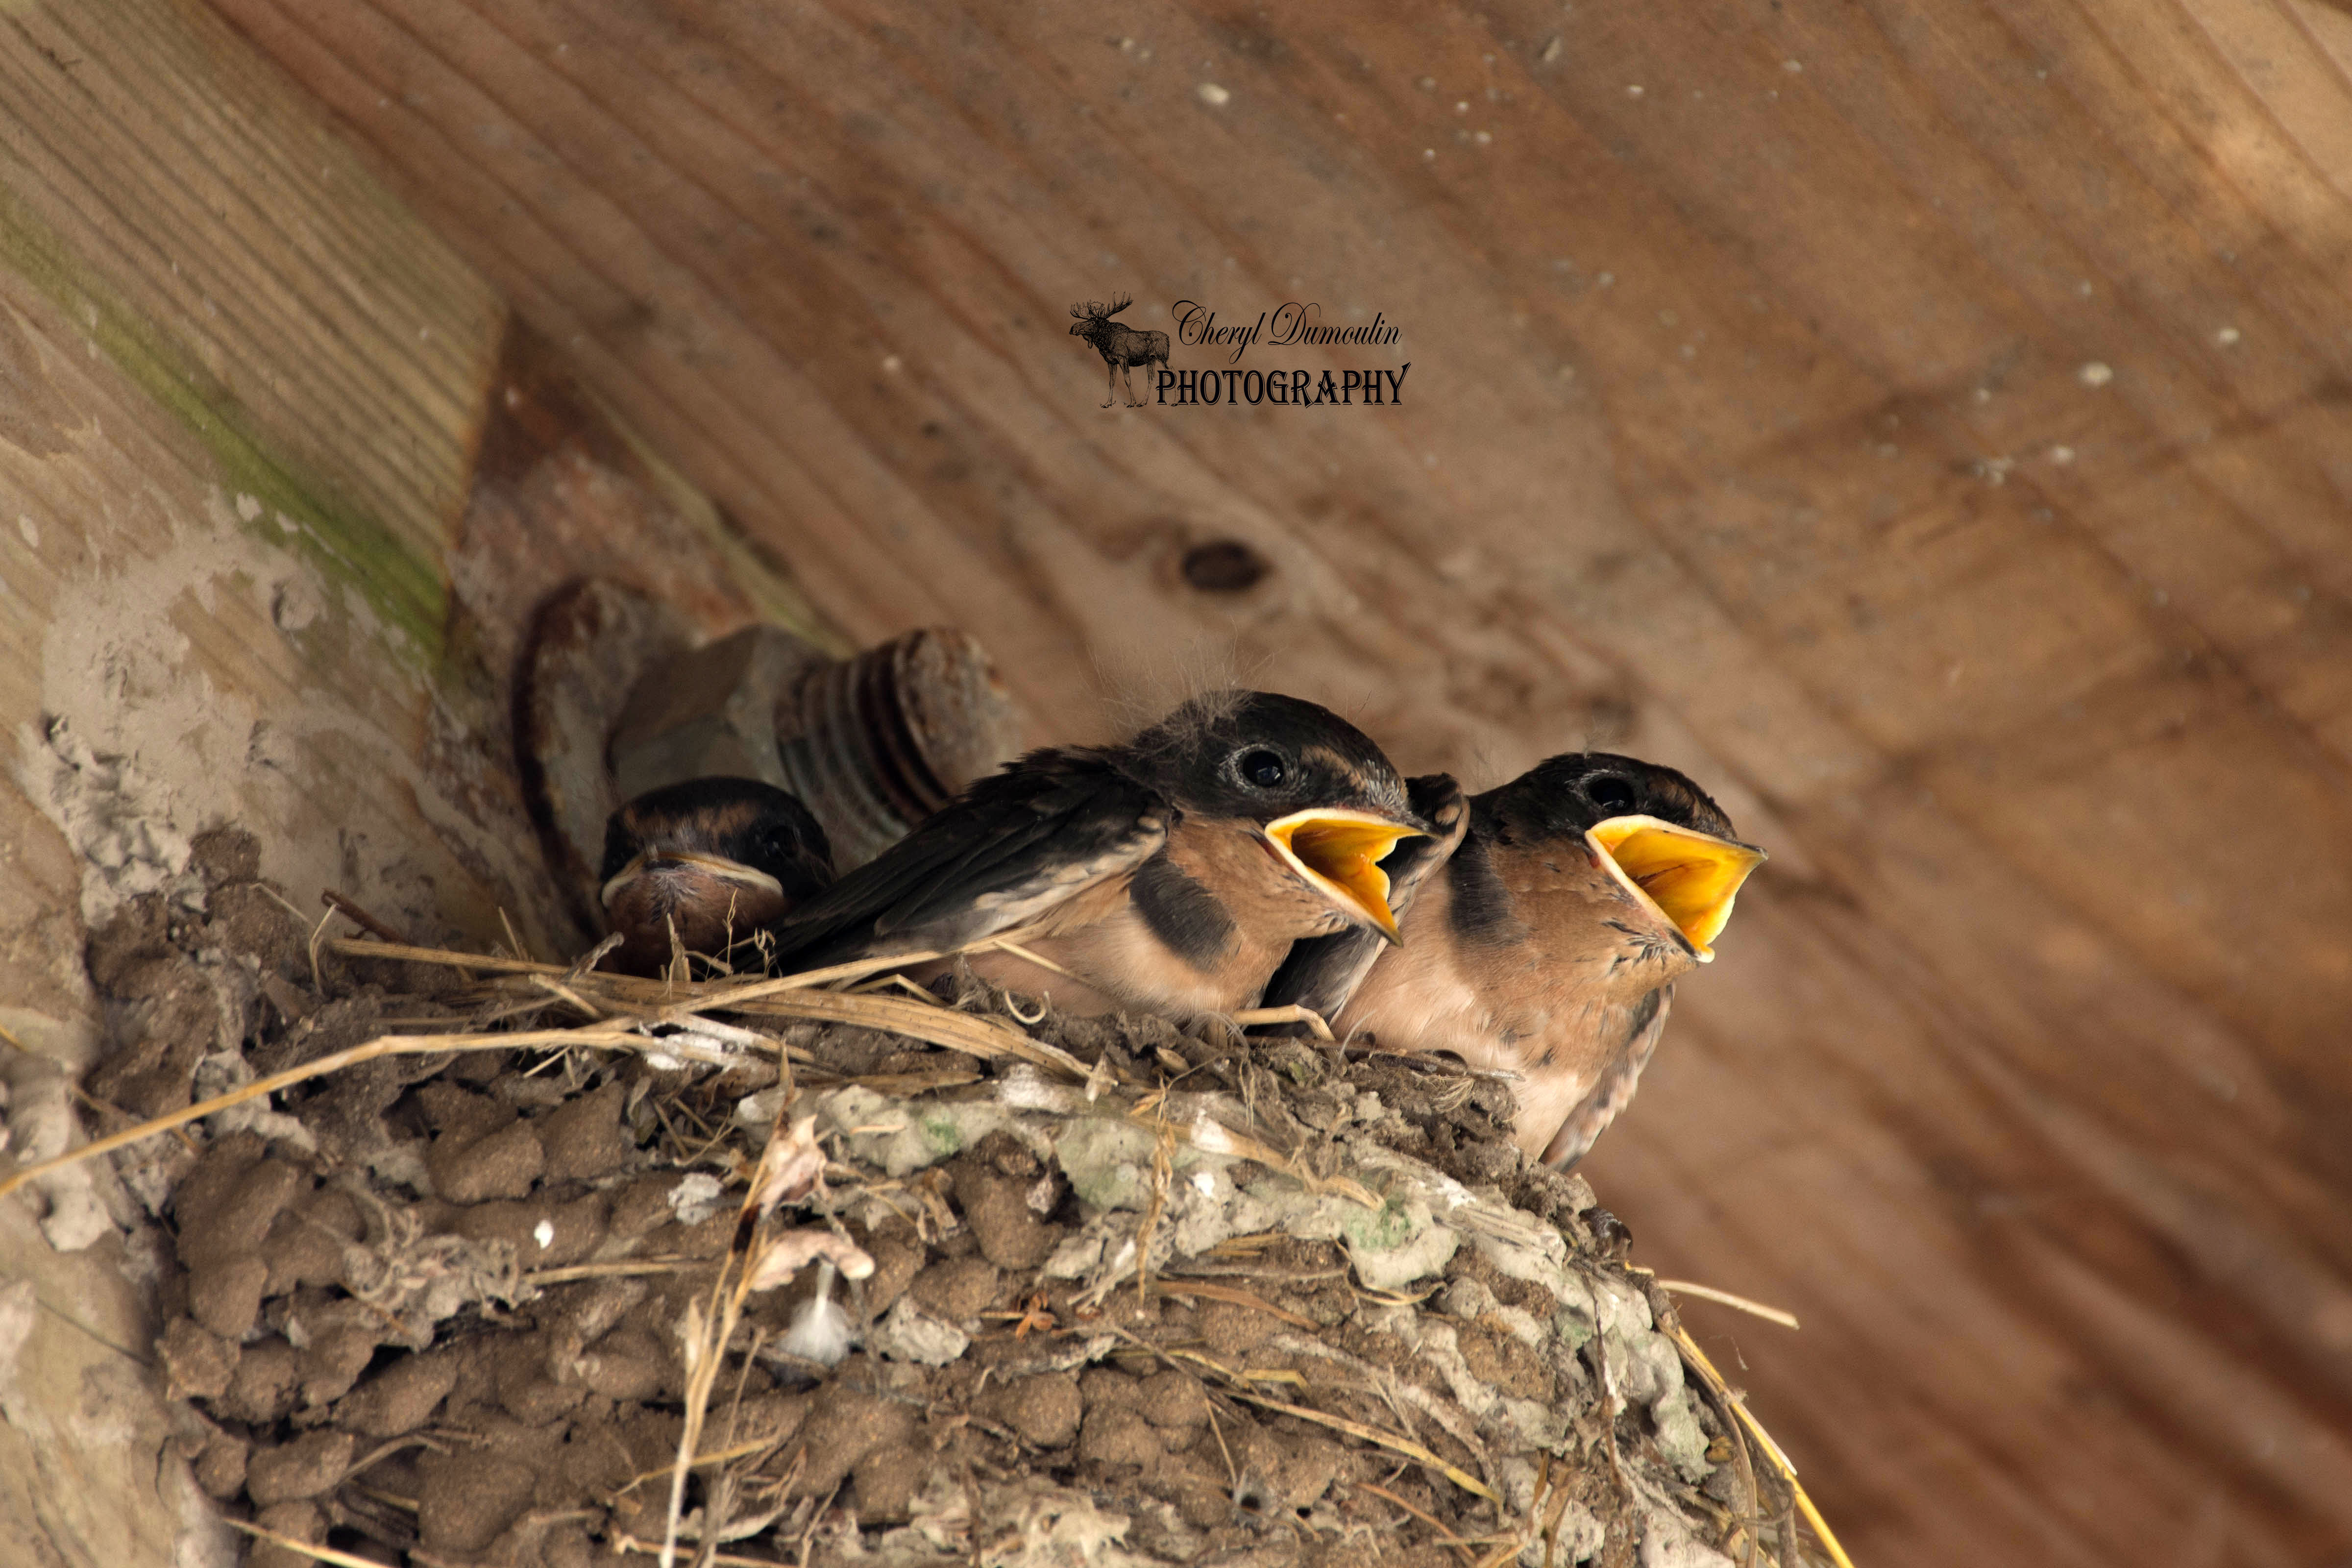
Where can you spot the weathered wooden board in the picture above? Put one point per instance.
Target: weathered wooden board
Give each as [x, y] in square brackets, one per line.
[1927, 421]
[281, 479]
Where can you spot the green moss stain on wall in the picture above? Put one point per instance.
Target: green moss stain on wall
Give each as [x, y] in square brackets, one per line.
[349, 543]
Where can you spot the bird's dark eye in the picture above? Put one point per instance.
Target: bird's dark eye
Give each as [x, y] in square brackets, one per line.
[1613, 795]
[1263, 769]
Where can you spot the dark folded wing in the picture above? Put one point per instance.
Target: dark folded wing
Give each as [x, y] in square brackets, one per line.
[1618, 1079]
[1003, 853]
[1322, 973]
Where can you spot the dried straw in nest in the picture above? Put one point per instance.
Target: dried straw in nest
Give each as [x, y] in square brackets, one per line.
[1206, 1182]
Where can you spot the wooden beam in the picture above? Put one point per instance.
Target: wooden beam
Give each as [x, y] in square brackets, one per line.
[282, 480]
[1921, 421]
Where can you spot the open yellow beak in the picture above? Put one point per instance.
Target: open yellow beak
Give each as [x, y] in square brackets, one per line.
[1337, 852]
[719, 866]
[1688, 876]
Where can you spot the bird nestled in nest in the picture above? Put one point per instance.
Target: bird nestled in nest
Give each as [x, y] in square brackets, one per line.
[692, 867]
[1248, 851]
[1168, 875]
[1550, 945]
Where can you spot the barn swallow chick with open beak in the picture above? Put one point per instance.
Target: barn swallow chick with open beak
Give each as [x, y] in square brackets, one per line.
[1550, 946]
[710, 860]
[1168, 875]
[1321, 972]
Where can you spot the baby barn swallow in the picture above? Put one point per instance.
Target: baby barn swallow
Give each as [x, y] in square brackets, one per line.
[1321, 972]
[1168, 875]
[712, 858]
[1550, 946]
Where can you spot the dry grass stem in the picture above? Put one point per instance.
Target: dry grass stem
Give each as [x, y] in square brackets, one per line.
[353, 947]
[1444, 1535]
[1250, 1016]
[1026, 956]
[1218, 1139]
[514, 942]
[789, 997]
[383, 1046]
[1166, 1285]
[1410, 1449]
[966, 1033]
[623, 1543]
[715, 1457]
[565, 995]
[349, 908]
[1787, 1320]
[615, 1268]
[790, 1170]
[1714, 1380]
[1163, 1171]
[1216, 1428]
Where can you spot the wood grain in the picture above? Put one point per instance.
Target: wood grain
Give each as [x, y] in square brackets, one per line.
[1925, 421]
[281, 479]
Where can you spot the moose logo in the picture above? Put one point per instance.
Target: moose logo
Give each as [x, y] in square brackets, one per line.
[1121, 346]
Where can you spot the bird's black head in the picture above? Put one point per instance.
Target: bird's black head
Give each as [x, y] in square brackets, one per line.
[691, 866]
[742, 821]
[1569, 794]
[1656, 833]
[1328, 801]
[1261, 755]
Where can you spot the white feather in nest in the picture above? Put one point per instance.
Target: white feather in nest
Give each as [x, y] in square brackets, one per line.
[821, 1331]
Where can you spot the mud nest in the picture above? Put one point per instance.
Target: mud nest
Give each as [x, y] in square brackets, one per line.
[1136, 1295]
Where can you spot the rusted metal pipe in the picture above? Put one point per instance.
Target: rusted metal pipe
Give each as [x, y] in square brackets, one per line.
[872, 744]
[875, 744]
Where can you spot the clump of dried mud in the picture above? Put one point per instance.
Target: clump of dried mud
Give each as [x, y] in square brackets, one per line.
[1214, 1301]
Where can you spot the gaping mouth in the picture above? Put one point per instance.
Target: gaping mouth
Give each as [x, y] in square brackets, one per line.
[1688, 876]
[1339, 852]
[718, 866]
